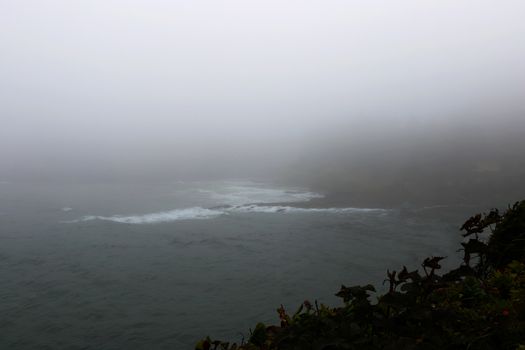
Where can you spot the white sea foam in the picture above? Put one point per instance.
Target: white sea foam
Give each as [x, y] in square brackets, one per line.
[203, 213]
[163, 216]
[245, 194]
[67, 209]
[232, 198]
[288, 209]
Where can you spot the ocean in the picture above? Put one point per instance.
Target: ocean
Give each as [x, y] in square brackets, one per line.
[162, 265]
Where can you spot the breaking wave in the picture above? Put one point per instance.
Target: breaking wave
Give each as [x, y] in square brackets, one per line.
[163, 216]
[288, 209]
[210, 213]
[232, 198]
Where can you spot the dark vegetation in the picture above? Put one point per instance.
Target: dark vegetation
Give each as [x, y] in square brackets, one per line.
[478, 305]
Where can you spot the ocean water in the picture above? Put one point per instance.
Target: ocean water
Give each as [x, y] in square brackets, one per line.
[159, 266]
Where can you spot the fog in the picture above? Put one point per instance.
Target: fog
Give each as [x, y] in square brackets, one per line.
[297, 90]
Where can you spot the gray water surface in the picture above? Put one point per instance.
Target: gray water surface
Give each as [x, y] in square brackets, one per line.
[75, 275]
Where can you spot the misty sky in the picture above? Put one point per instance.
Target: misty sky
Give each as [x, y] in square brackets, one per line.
[105, 86]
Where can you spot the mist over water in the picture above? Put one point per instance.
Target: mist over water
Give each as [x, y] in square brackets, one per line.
[170, 170]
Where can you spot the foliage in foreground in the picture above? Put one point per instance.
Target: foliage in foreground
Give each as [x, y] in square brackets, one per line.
[479, 305]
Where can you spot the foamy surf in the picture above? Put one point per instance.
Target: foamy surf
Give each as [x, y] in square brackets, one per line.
[288, 209]
[163, 216]
[233, 198]
[248, 194]
[198, 213]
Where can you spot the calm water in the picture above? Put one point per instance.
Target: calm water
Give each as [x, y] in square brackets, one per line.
[160, 266]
